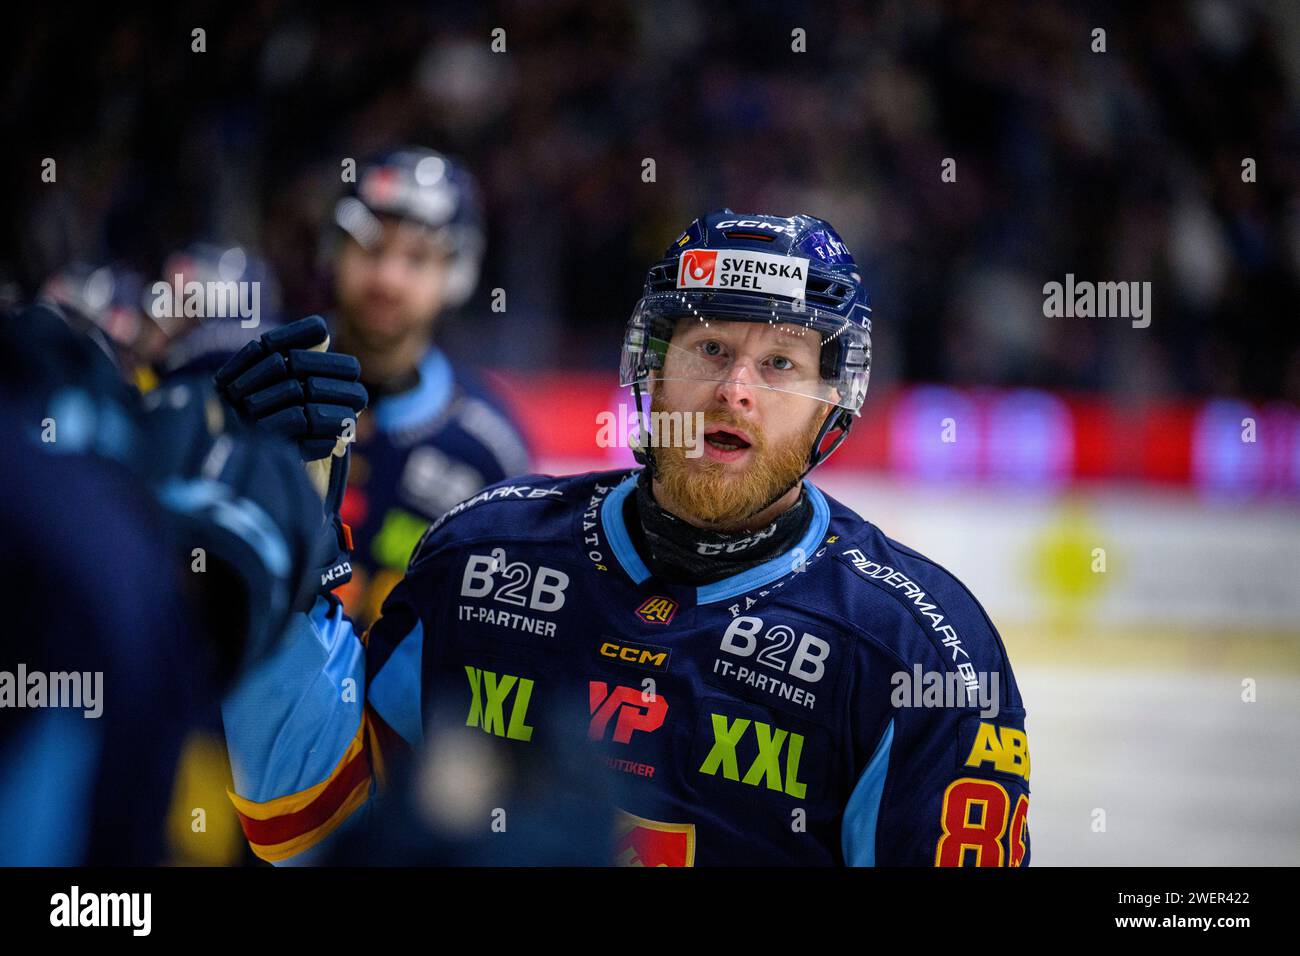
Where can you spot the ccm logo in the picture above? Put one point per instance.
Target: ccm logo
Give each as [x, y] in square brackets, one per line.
[637, 655]
[697, 267]
[753, 224]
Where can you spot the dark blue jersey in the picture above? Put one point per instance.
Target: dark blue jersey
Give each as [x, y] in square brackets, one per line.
[847, 702]
[91, 592]
[418, 453]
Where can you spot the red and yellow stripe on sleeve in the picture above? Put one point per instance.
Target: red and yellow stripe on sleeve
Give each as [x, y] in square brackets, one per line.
[285, 826]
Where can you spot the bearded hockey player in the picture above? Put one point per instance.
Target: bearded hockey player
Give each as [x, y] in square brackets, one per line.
[406, 245]
[745, 653]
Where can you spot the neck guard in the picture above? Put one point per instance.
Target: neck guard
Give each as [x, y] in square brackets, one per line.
[680, 553]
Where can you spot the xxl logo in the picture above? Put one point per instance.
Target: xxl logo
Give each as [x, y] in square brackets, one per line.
[766, 768]
[808, 663]
[489, 573]
[487, 707]
[635, 710]
[697, 268]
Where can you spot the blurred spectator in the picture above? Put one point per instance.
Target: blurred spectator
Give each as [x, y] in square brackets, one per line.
[1116, 166]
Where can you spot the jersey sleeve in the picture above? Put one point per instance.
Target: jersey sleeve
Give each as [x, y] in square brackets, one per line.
[498, 447]
[944, 778]
[310, 729]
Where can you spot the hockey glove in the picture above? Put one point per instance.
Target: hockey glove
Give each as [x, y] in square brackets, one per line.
[287, 383]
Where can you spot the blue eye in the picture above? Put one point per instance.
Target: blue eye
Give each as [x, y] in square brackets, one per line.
[711, 347]
[781, 363]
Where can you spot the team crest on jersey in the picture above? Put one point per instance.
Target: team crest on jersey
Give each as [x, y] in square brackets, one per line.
[642, 842]
[657, 610]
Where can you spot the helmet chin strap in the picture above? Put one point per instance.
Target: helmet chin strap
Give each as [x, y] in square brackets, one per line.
[840, 418]
[641, 449]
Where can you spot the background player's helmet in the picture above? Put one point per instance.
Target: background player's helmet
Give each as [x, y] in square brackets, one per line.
[756, 268]
[204, 342]
[426, 187]
[105, 303]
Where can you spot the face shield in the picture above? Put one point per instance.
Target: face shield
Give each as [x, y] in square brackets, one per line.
[792, 348]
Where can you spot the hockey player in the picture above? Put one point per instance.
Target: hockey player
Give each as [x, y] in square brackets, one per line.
[406, 246]
[240, 296]
[769, 678]
[155, 548]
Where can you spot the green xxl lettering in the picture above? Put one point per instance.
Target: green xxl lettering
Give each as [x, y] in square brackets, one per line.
[488, 694]
[766, 767]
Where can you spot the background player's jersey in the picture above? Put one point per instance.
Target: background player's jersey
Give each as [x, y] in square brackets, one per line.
[92, 606]
[417, 454]
[791, 714]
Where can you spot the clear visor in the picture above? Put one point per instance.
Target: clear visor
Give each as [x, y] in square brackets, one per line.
[800, 352]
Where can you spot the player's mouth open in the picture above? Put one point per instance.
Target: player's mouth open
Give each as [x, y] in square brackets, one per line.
[725, 444]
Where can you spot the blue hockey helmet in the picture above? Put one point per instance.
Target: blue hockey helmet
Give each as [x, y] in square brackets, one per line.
[426, 187]
[235, 280]
[107, 296]
[794, 273]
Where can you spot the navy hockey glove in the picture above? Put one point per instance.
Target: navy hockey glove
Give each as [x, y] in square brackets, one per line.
[287, 383]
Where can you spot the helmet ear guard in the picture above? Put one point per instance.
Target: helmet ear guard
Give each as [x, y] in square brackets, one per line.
[462, 277]
[641, 449]
[840, 418]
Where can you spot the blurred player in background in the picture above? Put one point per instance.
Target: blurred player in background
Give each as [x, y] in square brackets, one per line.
[108, 300]
[406, 246]
[211, 298]
[247, 305]
[155, 545]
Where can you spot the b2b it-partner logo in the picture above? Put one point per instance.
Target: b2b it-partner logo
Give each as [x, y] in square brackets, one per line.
[511, 580]
[513, 583]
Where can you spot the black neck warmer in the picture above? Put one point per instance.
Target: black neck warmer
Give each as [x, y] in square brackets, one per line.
[680, 553]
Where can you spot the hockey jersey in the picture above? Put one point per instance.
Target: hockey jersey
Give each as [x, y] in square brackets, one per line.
[416, 455]
[847, 702]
